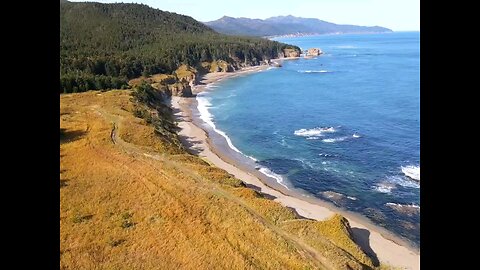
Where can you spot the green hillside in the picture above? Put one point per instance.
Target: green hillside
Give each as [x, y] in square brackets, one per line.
[102, 46]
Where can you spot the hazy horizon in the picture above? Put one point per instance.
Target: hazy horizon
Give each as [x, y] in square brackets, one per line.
[397, 15]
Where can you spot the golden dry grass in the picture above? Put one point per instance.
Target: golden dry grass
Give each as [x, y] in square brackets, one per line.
[130, 200]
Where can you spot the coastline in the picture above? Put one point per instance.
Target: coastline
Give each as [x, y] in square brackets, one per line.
[375, 240]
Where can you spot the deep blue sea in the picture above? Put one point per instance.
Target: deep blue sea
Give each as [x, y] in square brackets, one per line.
[343, 126]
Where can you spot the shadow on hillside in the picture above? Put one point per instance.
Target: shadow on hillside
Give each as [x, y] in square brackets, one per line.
[362, 238]
[259, 191]
[70, 135]
[191, 145]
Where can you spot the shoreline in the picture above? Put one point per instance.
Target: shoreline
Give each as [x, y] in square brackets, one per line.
[375, 240]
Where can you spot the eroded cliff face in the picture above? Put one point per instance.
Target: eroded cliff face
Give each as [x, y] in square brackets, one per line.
[178, 84]
[290, 53]
[182, 80]
[218, 66]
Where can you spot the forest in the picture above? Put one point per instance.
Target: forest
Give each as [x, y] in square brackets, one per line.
[102, 46]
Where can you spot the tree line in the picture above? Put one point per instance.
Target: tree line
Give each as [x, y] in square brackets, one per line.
[102, 46]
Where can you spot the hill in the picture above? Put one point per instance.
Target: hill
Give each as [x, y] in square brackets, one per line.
[102, 46]
[286, 25]
[131, 197]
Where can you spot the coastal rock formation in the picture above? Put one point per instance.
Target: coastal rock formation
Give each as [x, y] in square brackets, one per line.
[186, 74]
[220, 66]
[313, 52]
[407, 209]
[180, 89]
[290, 53]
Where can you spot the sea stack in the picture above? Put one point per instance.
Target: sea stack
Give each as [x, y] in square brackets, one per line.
[313, 52]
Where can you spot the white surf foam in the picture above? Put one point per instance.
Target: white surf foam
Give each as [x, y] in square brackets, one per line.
[412, 171]
[202, 105]
[314, 71]
[273, 175]
[403, 182]
[384, 187]
[352, 198]
[340, 139]
[314, 132]
[403, 205]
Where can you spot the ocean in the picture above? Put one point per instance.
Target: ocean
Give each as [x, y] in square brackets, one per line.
[343, 126]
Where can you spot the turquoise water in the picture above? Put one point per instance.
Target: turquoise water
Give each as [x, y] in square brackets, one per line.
[347, 122]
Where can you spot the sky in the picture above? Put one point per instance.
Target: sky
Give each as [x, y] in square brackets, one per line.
[398, 15]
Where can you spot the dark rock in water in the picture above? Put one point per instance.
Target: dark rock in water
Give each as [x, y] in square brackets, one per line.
[409, 210]
[375, 214]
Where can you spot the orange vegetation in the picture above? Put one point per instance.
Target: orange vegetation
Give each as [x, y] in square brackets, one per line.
[130, 200]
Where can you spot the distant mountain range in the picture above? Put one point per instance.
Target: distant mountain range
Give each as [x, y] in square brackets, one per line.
[286, 25]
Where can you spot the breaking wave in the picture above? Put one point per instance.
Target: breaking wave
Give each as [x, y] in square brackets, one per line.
[314, 132]
[412, 172]
[340, 139]
[202, 105]
[273, 175]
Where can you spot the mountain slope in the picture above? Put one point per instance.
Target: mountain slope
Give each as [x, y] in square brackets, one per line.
[104, 45]
[284, 25]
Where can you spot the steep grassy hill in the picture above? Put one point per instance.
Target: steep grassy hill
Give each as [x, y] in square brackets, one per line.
[103, 46]
[132, 198]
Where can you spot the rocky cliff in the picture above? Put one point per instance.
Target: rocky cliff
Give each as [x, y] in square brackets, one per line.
[290, 53]
[181, 81]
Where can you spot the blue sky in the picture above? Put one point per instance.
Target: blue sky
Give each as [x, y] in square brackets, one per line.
[398, 15]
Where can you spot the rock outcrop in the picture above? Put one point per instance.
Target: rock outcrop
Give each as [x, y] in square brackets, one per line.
[313, 52]
[180, 89]
[290, 53]
[186, 74]
[219, 66]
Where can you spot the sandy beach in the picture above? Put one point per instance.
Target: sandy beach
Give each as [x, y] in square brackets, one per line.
[374, 240]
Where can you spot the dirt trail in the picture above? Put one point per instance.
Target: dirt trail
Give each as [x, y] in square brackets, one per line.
[130, 148]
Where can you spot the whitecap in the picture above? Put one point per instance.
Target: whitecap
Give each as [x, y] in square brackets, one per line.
[340, 139]
[412, 205]
[314, 132]
[332, 140]
[403, 182]
[384, 187]
[412, 171]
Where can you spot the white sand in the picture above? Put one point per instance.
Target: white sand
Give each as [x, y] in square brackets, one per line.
[386, 250]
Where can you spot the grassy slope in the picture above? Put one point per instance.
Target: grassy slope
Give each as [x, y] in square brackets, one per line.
[131, 200]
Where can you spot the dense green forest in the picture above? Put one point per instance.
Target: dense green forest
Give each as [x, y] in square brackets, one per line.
[102, 46]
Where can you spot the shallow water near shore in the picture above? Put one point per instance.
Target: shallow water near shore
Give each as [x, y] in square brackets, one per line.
[343, 126]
